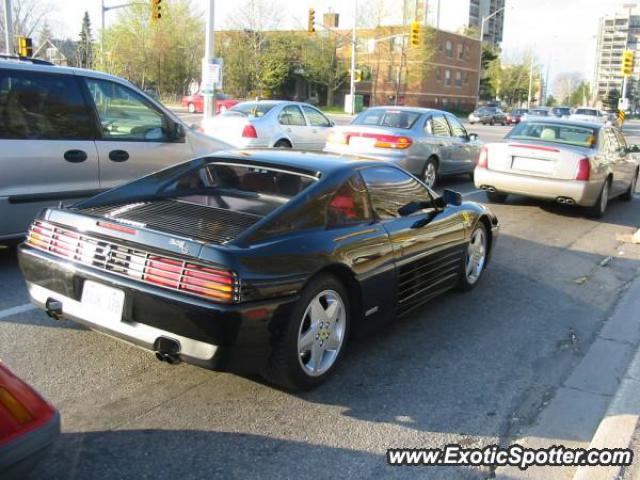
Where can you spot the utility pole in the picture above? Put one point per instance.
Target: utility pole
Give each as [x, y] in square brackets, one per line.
[102, 12]
[483, 20]
[8, 28]
[530, 82]
[209, 100]
[352, 83]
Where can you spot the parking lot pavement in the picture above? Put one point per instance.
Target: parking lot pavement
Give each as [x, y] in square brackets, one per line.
[475, 369]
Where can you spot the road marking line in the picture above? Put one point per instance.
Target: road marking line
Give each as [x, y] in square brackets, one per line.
[16, 310]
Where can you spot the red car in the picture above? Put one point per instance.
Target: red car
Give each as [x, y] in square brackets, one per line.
[195, 103]
[28, 425]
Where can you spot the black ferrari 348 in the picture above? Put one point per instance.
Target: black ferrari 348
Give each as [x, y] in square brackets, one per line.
[276, 257]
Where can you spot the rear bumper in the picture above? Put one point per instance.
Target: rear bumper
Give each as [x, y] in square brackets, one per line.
[210, 335]
[582, 193]
[20, 455]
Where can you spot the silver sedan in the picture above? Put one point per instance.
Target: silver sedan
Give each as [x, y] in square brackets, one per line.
[271, 124]
[570, 162]
[428, 143]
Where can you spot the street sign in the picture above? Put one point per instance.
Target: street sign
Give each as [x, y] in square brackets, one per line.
[211, 76]
[621, 116]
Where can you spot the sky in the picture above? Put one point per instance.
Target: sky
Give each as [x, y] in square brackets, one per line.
[561, 33]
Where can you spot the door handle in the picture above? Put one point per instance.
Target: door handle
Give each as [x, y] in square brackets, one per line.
[118, 155]
[75, 156]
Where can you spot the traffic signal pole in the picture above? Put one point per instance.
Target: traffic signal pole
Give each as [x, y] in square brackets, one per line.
[209, 100]
[8, 28]
[352, 83]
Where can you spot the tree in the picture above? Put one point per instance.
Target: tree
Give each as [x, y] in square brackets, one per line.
[551, 101]
[85, 45]
[322, 65]
[611, 102]
[491, 72]
[580, 95]
[565, 85]
[45, 33]
[27, 17]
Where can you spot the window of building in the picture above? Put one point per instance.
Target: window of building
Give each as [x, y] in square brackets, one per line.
[459, 79]
[449, 49]
[397, 43]
[460, 51]
[447, 77]
[439, 74]
[445, 102]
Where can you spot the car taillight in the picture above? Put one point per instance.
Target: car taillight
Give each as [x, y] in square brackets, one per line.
[163, 271]
[392, 141]
[337, 137]
[584, 169]
[249, 131]
[13, 407]
[483, 159]
[211, 282]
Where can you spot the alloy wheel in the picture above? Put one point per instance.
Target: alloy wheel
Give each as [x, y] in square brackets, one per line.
[322, 333]
[430, 174]
[476, 255]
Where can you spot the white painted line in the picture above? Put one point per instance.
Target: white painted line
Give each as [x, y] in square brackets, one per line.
[16, 310]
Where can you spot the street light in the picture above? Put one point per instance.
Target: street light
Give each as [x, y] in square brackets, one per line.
[482, 22]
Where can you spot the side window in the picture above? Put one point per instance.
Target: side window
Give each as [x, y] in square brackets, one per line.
[457, 130]
[350, 204]
[125, 115]
[43, 107]
[391, 188]
[439, 126]
[316, 119]
[291, 115]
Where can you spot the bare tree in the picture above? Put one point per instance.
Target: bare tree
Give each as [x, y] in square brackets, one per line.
[256, 15]
[28, 16]
[565, 85]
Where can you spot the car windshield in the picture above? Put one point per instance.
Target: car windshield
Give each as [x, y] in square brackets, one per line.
[587, 111]
[519, 111]
[392, 118]
[539, 113]
[568, 134]
[251, 109]
[562, 110]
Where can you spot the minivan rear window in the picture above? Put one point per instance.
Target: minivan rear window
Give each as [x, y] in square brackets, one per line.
[390, 118]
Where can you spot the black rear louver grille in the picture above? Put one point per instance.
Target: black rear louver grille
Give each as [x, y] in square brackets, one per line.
[211, 224]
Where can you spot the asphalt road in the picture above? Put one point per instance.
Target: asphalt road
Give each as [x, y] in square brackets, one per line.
[472, 368]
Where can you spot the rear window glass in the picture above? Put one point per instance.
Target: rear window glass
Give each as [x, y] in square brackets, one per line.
[251, 109]
[249, 189]
[587, 111]
[555, 133]
[387, 118]
[539, 113]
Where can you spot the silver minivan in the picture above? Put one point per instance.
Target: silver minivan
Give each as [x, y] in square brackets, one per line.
[68, 133]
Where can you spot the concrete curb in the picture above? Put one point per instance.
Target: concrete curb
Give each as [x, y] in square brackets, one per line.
[617, 427]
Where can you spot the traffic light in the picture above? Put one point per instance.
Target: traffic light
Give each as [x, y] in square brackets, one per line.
[312, 20]
[414, 34]
[627, 63]
[25, 47]
[156, 10]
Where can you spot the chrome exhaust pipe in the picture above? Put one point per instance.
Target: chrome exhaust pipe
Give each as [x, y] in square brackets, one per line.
[167, 350]
[570, 201]
[53, 308]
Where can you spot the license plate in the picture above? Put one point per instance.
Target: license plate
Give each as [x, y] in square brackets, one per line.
[362, 143]
[104, 303]
[534, 165]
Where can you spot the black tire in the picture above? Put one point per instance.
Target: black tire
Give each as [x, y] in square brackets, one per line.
[472, 123]
[600, 207]
[628, 195]
[465, 282]
[285, 365]
[497, 197]
[282, 144]
[430, 170]
[492, 122]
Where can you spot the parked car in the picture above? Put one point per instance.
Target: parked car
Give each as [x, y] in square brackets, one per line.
[516, 115]
[560, 112]
[271, 124]
[570, 162]
[28, 426]
[269, 256]
[537, 112]
[68, 133]
[488, 116]
[195, 103]
[587, 114]
[428, 143]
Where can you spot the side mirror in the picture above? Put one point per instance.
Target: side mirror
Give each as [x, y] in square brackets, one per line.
[452, 198]
[473, 137]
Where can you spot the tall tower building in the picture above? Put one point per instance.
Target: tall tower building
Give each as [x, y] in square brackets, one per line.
[616, 33]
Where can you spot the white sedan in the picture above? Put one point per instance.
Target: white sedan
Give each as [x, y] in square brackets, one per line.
[587, 114]
[271, 124]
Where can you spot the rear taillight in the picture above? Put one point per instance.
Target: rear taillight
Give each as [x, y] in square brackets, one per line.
[483, 159]
[210, 282]
[392, 141]
[249, 131]
[584, 169]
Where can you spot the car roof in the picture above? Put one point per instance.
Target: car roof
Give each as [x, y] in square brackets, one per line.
[311, 162]
[406, 109]
[34, 67]
[566, 121]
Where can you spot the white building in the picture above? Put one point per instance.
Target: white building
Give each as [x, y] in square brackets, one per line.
[616, 32]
